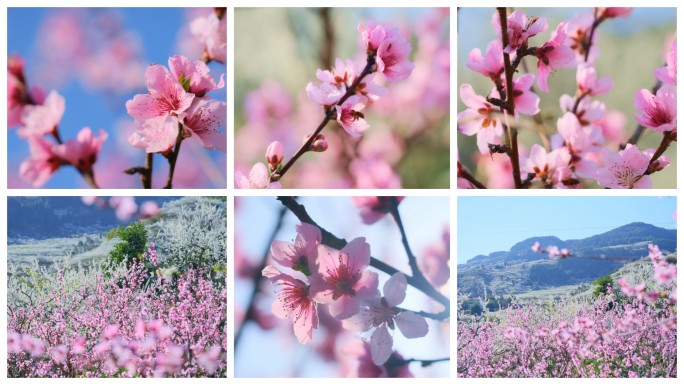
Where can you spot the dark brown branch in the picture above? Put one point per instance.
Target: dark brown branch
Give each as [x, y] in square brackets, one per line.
[510, 100]
[173, 157]
[464, 174]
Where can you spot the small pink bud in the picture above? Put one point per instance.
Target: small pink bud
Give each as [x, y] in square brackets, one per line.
[274, 153]
[319, 144]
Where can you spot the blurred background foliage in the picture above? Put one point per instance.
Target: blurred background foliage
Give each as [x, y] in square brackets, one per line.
[285, 46]
[629, 50]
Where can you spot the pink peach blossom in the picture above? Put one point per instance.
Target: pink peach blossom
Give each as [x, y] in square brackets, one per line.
[258, 179]
[526, 101]
[552, 55]
[612, 12]
[373, 35]
[156, 134]
[668, 73]
[519, 29]
[82, 153]
[374, 208]
[124, 207]
[41, 164]
[381, 314]
[479, 119]
[587, 81]
[659, 111]
[357, 361]
[211, 31]
[42, 119]
[149, 209]
[624, 169]
[194, 76]
[350, 118]
[203, 121]
[344, 281]
[588, 111]
[373, 173]
[300, 256]
[165, 96]
[544, 165]
[491, 64]
[392, 59]
[294, 301]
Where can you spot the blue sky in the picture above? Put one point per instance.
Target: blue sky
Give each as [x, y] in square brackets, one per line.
[424, 219]
[489, 224]
[158, 30]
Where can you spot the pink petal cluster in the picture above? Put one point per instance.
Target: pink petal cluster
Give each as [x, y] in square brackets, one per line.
[479, 119]
[668, 73]
[42, 119]
[520, 29]
[659, 111]
[379, 315]
[258, 178]
[552, 55]
[491, 64]
[177, 107]
[211, 31]
[589, 84]
[625, 169]
[350, 118]
[357, 361]
[374, 208]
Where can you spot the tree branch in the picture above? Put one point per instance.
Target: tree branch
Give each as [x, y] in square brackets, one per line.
[417, 281]
[256, 279]
[330, 113]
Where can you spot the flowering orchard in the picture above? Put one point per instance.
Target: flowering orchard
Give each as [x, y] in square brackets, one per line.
[362, 115]
[630, 332]
[134, 313]
[575, 137]
[328, 295]
[176, 105]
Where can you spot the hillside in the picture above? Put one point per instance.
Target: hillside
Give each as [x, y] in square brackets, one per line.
[521, 270]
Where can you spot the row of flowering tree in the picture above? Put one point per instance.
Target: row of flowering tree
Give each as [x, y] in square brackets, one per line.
[629, 330]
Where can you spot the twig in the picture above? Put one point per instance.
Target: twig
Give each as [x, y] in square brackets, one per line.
[173, 157]
[146, 177]
[464, 174]
[427, 363]
[594, 25]
[256, 278]
[330, 113]
[419, 282]
[394, 211]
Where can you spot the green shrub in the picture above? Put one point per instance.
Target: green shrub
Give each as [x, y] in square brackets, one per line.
[133, 244]
[601, 285]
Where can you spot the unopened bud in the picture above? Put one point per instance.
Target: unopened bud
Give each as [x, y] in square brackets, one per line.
[274, 153]
[319, 144]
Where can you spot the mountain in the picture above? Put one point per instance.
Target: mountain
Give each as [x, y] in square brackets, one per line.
[521, 270]
[51, 217]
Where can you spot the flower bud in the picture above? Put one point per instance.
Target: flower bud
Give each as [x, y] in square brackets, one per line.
[274, 154]
[319, 144]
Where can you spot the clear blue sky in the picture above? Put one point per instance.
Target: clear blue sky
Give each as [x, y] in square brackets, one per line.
[489, 224]
[157, 29]
[424, 219]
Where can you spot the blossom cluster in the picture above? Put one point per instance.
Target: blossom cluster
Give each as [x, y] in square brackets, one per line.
[344, 92]
[177, 107]
[632, 334]
[121, 322]
[124, 207]
[38, 115]
[331, 290]
[578, 155]
[93, 47]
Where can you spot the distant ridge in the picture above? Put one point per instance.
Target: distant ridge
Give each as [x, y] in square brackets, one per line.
[520, 269]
